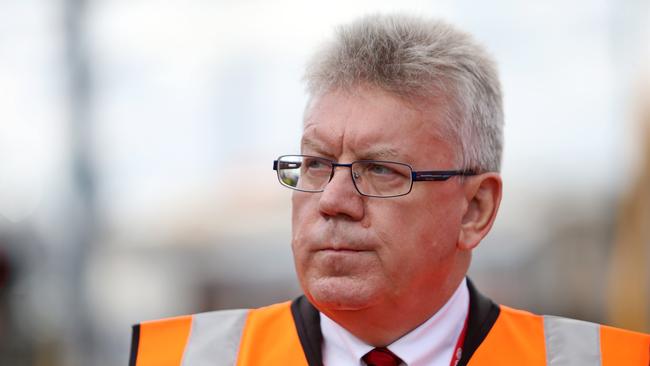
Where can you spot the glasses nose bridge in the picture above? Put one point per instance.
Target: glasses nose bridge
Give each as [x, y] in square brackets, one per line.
[342, 165]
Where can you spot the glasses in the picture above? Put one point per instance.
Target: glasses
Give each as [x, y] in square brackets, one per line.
[372, 178]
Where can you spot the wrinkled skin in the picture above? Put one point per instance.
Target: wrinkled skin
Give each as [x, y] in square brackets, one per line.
[357, 253]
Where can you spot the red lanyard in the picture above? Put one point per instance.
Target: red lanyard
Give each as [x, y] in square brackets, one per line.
[458, 350]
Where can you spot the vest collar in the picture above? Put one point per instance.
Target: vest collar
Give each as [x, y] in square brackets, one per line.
[483, 312]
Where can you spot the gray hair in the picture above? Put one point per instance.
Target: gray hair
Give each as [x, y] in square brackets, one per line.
[411, 57]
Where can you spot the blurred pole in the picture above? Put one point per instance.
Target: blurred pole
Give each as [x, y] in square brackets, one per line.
[629, 285]
[82, 214]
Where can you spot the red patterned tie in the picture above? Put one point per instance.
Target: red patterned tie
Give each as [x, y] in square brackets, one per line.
[381, 357]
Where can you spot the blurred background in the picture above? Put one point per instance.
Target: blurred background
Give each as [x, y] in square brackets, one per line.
[136, 140]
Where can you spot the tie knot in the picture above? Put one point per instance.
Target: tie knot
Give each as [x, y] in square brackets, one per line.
[381, 357]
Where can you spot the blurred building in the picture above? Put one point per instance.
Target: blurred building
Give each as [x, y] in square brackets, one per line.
[629, 275]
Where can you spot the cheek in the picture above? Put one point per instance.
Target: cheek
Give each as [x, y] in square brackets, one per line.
[300, 206]
[303, 215]
[419, 245]
[421, 229]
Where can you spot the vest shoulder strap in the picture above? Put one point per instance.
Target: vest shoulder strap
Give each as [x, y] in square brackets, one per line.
[576, 342]
[193, 340]
[215, 336]
[571, 342]
[522, 338]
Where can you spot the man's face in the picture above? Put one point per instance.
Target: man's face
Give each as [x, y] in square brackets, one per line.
[354, 252]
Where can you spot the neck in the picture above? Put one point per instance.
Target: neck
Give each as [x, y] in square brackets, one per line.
[383, 324]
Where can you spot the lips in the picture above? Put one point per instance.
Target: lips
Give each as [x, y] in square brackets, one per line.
[340, 254]
[347, 247]
[342, 250]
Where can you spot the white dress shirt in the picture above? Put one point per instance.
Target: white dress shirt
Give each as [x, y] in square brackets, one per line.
[430, 344]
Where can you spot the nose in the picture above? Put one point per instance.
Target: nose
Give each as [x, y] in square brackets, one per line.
[340, 197]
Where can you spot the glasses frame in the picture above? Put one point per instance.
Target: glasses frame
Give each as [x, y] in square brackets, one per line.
[416, 176]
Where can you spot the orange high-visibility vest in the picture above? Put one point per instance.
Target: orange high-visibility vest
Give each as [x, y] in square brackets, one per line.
[265, 336]
[274, 335]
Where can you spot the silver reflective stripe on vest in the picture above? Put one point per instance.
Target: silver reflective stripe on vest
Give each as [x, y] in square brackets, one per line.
[214, 338]
[571, 342]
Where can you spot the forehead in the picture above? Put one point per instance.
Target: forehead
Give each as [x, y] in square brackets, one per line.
[368, 123]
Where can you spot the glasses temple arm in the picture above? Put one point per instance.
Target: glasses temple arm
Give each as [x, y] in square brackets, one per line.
[439, 175]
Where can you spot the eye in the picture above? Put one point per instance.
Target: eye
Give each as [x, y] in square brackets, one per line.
[385, 170]
[380, 169]
[312, 163]
[316, 166]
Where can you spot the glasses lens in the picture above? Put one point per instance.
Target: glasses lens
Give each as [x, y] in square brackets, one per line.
[304, 173]
[381, 178]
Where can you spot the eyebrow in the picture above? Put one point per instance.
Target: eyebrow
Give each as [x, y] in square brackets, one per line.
[381, 153]
[305, 141]
[378, 153]
[312, 145]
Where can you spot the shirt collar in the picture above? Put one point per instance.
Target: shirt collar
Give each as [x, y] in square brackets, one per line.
[431, 343]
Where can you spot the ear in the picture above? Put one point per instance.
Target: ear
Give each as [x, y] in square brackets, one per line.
[483, 195]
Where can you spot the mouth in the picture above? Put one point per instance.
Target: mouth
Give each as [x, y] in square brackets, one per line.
[342, 250]
[343, 245]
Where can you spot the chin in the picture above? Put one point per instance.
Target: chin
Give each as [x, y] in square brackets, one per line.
[340, 294]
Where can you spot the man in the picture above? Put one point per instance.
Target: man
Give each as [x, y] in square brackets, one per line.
[397, 182]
